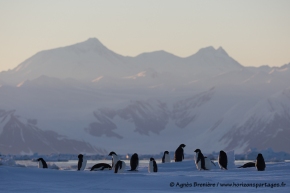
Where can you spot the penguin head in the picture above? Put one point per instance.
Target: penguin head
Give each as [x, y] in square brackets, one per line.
[135, 155]
[112, 153]
[40, 159]
[182, 145]
[152, 159]
[260, 156]
[197, 151]
[166, 152]
[222, 152]
[80, 156]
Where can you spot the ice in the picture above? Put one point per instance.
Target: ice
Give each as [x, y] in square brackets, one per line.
[182, 176]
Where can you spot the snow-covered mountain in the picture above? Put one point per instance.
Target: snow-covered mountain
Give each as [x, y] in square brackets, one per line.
[91, 60]
[22, 136]
[86, 60]
[145, 104]
[267, 124]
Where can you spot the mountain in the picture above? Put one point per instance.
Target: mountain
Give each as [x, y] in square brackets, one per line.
[84, 60]
[146, 104]
[90, 60]
[265, 125]
[19, 137]
[216, 60]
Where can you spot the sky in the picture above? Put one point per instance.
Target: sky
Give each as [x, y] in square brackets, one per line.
[254, 33]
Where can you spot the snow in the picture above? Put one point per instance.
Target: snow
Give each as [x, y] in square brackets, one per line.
[140, 74]
[182, 176]
[20, 84]
[98, 79]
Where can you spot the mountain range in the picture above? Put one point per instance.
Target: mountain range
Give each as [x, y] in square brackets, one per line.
[87, 98]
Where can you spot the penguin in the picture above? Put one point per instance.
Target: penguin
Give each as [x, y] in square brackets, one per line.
[134, 162]
[248, 165]
[41, 163]
[179, 155]
[119, 167]
[101, 166]
[115, 158]
[260, 163]
[223, 160]
[82, 162]
[200, 160]
[166, 157]
[152, 166]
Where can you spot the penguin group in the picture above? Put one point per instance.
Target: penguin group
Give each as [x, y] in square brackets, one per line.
[201, 162]
[117, 165]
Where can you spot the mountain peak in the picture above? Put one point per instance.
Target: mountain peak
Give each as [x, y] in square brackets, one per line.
[91, 43]
[206, 49]
[212, 50]
[93, 40]
[221, 51]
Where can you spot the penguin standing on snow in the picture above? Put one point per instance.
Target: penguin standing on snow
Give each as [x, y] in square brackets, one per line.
[223, 160]
[119, 167]
[260, 163]
[166, 157]
[134, 162]
[200, 161]
[152, 166]
[41, 163]
[115, 158]
[179, 155]
[82, 162]
[101, 166]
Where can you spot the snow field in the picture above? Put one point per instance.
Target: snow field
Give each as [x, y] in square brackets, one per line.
[171, 177]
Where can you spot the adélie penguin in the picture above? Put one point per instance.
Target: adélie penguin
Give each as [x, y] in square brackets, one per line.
[179, 153]
[152, 165]
[119, 167]
[115, 158]
[134, 162]
[248, 165]
[200, 161]
[100, 167]
[223, 160]
[82, 162]
[260, 163]
[166, 157]
[41, 163]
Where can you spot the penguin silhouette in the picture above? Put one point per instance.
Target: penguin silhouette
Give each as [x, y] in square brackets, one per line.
[41, 163]
[179, 154]
[152, 165]
[260, 163]
[166, 157]
[134, 162]
[223, 160]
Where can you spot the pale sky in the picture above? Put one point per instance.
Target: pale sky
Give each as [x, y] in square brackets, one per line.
[253, 32]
